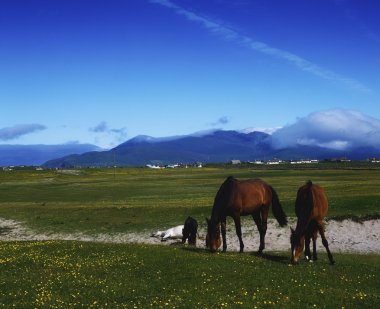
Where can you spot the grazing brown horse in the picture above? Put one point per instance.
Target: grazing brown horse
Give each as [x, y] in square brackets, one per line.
[240, 198]
[311, 208]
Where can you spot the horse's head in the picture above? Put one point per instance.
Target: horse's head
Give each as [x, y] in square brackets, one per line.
[297, 243]
[213, 241]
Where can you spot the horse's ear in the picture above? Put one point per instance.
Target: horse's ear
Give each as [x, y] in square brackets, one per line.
[291, 230]
[208, 221]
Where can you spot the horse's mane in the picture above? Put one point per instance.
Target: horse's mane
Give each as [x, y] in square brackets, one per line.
[223, 196]
[304, 205]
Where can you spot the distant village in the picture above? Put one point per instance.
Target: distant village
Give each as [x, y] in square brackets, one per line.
[264, 162]
[232, 162]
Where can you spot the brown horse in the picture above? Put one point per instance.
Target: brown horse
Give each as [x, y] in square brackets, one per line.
[240, 198]
[311, 208]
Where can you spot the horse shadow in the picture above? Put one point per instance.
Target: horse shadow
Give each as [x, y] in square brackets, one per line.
[189, 248]
[273, 257]
[176, 243]
[266, 256]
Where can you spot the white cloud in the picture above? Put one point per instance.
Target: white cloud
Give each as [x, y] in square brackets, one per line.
[337, 129]
[269, 131]
[233, 35]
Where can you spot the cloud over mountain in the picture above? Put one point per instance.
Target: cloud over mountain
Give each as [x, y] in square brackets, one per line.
[221, 121]
[119, 134]
[101, 127]
[17, 131]
[339, 129]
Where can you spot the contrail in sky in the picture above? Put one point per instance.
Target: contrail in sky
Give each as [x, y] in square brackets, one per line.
[230, 34]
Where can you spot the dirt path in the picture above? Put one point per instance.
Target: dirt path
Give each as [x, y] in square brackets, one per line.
[343, 236]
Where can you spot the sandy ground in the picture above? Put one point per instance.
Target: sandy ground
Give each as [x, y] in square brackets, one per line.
[343, 236]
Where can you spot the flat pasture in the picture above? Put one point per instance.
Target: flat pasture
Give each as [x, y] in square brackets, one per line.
[59, 274]
[129, 200]
[71, 274]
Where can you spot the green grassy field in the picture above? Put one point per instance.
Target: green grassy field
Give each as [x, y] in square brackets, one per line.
[69, 274]
[125, 200]
[92, 275]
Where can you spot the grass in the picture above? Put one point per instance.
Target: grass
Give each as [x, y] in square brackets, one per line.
[358, 219]
[66, 274]
[59, 274]
[126, 200]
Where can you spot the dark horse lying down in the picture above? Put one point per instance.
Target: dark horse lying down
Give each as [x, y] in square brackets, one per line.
[311, 208]
[190, 230]
[240, 198]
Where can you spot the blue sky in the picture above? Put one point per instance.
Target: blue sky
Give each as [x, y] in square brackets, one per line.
[103, 72]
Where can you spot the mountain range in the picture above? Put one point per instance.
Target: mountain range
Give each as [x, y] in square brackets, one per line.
[35, 155]
[212, 147]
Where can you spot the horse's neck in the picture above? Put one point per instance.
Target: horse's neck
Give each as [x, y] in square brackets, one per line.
[302, 224]
[216, 214]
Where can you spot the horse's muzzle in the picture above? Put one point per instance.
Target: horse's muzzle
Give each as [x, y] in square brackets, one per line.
[294, 261]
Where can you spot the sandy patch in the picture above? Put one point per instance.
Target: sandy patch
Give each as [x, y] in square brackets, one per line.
[343, 236]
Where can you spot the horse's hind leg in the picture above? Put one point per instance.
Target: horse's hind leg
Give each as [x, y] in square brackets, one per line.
[223, 228]
[325, 243]
[315, 235]
[238, 231]
[262, 227]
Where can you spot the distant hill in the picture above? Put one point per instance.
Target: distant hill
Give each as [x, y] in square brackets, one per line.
[35, 155]
[214, 147]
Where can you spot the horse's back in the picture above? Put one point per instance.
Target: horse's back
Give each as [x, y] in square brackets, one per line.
[254, 187]
[251, 194]
[311, 202]
[241, 196]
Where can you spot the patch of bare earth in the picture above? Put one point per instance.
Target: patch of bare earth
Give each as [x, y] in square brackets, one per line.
[343, 236]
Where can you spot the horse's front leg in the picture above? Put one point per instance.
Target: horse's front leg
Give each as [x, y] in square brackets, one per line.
[236, 218]
[308, 236]
[223, 228]
[307, 247]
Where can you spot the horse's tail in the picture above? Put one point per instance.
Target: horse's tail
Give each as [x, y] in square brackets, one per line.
[309, 199]
[277, 210]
